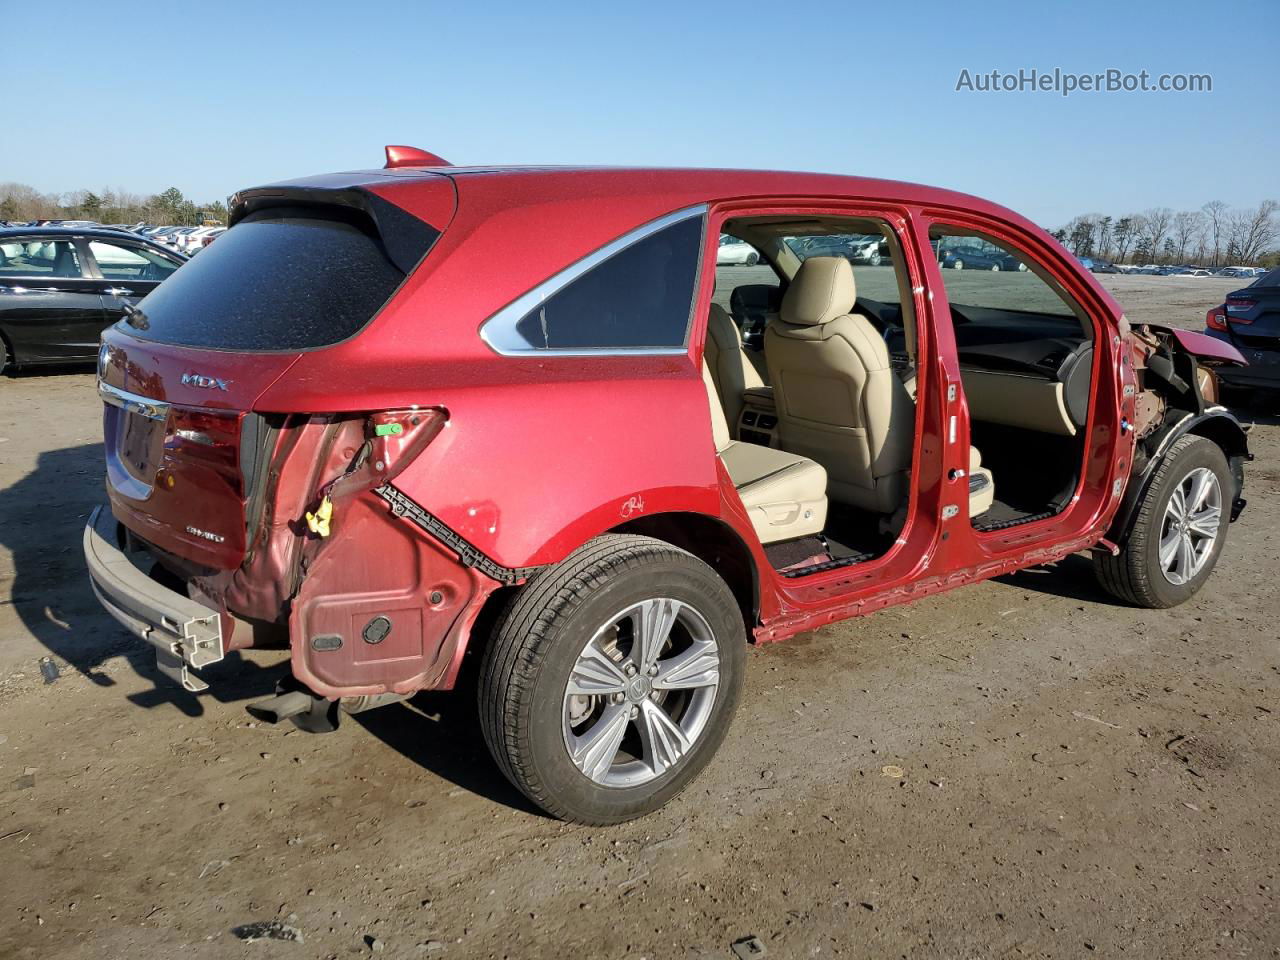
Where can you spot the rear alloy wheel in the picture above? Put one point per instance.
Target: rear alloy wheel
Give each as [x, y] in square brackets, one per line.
[958, 264]
[612, 679]
[995, 268]
[4, 356]
[753, 259]
[1179, 530]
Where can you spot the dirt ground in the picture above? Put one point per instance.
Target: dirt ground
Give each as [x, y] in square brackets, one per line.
[1079, 778]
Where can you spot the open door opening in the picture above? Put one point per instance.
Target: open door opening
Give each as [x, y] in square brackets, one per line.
[810, 353]
[1026, 363]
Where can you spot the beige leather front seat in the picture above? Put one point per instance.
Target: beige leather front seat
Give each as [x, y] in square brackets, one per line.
[839, 401]
[731, 369]
[785, 494]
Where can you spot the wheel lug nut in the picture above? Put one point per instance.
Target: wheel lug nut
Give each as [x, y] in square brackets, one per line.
[635, 712]
[619, 697]
[630, 669]
[653, 671]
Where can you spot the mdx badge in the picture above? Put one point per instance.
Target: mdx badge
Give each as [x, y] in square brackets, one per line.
[200, 380]
[206, 535]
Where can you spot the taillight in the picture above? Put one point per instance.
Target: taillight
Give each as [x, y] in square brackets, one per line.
[1215, 319]
[202, 437]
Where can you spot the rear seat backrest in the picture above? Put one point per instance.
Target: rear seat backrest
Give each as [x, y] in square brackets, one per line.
[731, 369]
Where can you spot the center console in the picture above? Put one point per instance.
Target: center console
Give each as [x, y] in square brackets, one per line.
[758, 422]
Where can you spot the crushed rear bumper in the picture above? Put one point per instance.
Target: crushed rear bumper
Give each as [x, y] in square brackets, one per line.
[186, 635]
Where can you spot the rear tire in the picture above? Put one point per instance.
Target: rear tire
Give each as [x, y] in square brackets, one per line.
[568, 634]
[4, 356]
[1140, 575]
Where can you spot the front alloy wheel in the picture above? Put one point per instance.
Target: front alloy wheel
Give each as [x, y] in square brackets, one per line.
[1178, 531]
[1190, 527]
[612, 678]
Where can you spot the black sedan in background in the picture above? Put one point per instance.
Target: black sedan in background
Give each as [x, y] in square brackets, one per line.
[61, 286]
[1249, 319]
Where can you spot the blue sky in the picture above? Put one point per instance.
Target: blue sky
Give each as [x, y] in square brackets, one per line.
[210, 97]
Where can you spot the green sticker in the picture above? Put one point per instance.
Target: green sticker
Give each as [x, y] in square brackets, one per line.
[387, 429]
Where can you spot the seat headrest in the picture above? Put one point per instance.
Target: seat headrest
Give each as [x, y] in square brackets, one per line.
[822, 289]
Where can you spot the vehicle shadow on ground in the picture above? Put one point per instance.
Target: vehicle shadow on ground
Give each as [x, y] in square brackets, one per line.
[1072, 578]
[42, 518]
[441, 733]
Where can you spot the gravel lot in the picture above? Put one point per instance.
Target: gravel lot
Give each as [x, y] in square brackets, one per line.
[1078, 778]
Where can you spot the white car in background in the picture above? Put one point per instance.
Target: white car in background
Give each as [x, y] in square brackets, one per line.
[192, 239]
[733, 251]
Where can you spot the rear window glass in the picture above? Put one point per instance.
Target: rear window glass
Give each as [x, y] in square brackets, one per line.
[278, 280]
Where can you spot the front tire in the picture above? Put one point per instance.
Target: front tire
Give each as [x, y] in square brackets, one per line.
[1179, 531]
[752, 259]
[958, 265]
[612, 679]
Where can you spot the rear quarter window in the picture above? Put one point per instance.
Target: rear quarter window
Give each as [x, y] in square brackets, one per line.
[632, 295]
[280, 280]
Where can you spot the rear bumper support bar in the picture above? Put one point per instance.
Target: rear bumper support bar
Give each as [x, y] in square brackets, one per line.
[186, 635]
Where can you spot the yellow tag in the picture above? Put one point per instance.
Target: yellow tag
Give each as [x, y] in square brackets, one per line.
[318, 522]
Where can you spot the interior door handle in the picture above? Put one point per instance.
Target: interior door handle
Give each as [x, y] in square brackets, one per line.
[119, 291]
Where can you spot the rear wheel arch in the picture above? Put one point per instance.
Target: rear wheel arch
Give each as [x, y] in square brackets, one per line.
[713, 542]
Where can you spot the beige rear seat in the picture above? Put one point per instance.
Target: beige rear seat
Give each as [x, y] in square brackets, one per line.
[785, 494]
[731, 370]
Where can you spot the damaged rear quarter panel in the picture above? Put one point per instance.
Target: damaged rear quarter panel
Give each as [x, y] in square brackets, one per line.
[377, 565]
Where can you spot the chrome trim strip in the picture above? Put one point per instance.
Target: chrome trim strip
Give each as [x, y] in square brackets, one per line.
[499, 331]
[145, 406]
[978, 481]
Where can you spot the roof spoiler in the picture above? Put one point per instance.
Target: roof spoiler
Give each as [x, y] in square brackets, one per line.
[405, 237]
[402, 156]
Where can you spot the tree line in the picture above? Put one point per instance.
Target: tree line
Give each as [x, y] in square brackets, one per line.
[18, 201]
[1216, 235]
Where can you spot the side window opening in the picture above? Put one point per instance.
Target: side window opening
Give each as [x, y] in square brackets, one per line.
[1026, 358]
[635, 294]
[749, 289]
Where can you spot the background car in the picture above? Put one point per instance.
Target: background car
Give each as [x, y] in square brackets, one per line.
[734, 251]
[975, 256]
[61, 286]
[822, 246]
[1249, 319]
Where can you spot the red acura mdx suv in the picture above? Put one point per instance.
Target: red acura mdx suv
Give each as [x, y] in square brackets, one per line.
[397, 417]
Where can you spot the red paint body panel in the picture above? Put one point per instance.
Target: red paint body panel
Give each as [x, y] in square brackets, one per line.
[541, 453]
[1203, 345]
